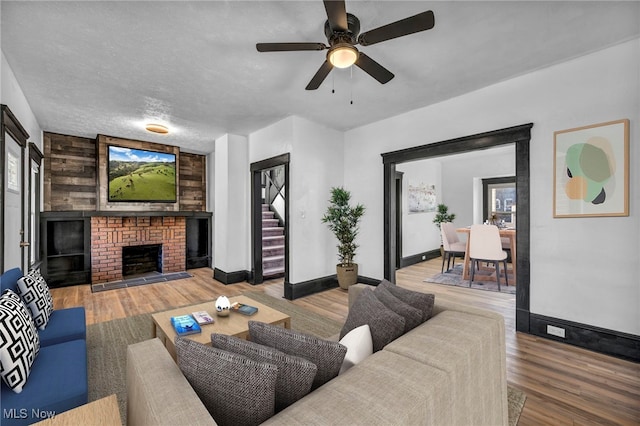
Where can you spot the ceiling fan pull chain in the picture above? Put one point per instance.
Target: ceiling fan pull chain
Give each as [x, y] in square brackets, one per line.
[351, 84]
[333, 84]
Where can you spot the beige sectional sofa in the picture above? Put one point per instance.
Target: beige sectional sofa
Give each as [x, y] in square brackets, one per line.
[451, 370]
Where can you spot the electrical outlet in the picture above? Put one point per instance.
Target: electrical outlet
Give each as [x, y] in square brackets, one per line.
[424, 257]
[555, 331]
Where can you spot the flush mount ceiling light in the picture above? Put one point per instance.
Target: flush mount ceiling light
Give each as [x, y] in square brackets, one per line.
[342, 55]
[156, 128]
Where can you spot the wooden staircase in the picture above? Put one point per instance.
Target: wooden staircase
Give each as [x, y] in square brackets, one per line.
[272, 244]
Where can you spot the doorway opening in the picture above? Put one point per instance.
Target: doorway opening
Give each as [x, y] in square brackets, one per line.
[518, 135]
[269, 224]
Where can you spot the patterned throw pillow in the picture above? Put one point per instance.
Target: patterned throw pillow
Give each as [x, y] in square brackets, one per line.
[412, 316]
[19, 341]
[422, 301]
[385, 325]
[235, 389]
[34, 291]
[295, 374]
[327, 355]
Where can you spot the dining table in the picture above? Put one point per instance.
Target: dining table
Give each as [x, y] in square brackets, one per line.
[507, 232]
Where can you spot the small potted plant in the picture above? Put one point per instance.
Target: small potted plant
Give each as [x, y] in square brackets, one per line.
[342, 219]
[443, 215]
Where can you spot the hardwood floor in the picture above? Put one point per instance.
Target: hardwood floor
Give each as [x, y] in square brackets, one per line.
[565, 385]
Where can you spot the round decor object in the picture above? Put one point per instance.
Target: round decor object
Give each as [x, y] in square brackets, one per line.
[223, 306]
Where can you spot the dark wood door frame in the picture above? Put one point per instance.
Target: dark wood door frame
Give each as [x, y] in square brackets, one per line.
[521, 136]
[10, 124]
[256, 215]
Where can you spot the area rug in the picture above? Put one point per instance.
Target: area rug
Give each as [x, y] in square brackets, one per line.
[454, 277]
[107, 349]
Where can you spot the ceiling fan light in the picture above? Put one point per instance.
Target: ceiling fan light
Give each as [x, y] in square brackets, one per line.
[343, 56]
[157, 128]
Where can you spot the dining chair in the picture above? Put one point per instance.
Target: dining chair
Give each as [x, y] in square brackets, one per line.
[451, 244]
[485, 245]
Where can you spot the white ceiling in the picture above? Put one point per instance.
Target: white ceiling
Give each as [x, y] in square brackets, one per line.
[91, 67]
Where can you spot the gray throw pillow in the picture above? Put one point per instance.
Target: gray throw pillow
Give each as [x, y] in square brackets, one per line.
[295, 374]
[412, 316]
[422, 301]
[326, 355]
[385, 324]
[235, 389]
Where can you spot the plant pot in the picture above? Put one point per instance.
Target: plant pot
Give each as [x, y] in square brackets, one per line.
[347, 275]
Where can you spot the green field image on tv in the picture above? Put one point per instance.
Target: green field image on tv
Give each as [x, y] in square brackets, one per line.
[141, 181]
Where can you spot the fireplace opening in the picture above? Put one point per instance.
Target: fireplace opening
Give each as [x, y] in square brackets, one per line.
[137, 260]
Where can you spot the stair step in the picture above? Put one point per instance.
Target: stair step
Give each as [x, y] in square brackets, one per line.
[267, 215]
[274, 258]
[272, 250]
[274, 231]
[270, 223]
[275, 240]
[273, 271]
[265, 207]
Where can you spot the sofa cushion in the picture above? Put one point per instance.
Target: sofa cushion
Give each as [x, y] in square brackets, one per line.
[19, 342]
[57, 383]
[326, 355]
[412, 316]
[295, 374]
[359, 346]
[64, 325]
[422, 301]
[9, 280]
[385, 324]
[34, 291]
[235, 389]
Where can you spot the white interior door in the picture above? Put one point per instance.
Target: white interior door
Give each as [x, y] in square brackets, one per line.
[13, 213]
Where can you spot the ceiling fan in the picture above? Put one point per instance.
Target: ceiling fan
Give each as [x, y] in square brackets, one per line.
[341, 30]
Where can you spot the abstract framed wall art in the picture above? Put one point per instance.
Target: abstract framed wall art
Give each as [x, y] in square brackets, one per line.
[591, 170]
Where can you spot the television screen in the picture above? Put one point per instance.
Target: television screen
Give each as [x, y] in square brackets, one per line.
[141, 175]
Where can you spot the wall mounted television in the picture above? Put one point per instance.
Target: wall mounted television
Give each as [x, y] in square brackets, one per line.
[138, 175]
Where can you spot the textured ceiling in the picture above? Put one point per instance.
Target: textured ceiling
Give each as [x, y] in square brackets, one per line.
[94, 67]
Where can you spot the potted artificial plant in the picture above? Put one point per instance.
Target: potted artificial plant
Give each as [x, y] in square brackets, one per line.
[443, 215]
[342, 220]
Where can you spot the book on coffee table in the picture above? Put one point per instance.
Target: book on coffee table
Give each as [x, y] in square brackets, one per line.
[185, 325]
[202, 317]
[244, 309]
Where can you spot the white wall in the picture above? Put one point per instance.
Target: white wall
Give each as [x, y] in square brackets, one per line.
[582, 269]
[316, 164]
[419, 233]
[458, 177]
[11, 95]
[232, 203]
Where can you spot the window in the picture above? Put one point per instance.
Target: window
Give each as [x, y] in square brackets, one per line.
[500, 199]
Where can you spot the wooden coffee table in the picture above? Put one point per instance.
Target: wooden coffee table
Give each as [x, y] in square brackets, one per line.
[236, 324]
[103, 412]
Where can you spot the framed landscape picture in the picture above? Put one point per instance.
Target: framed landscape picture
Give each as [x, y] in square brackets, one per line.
[591, 170]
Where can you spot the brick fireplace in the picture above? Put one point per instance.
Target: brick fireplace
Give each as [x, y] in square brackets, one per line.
[109, 234]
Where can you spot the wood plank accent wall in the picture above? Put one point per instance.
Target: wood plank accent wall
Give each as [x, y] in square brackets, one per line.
[193, 182]
[70, 176]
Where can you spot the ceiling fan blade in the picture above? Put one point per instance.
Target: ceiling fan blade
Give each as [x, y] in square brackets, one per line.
[420, 22]
[337, 14]
[321, 74]
[374, 69]
[287, 47]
